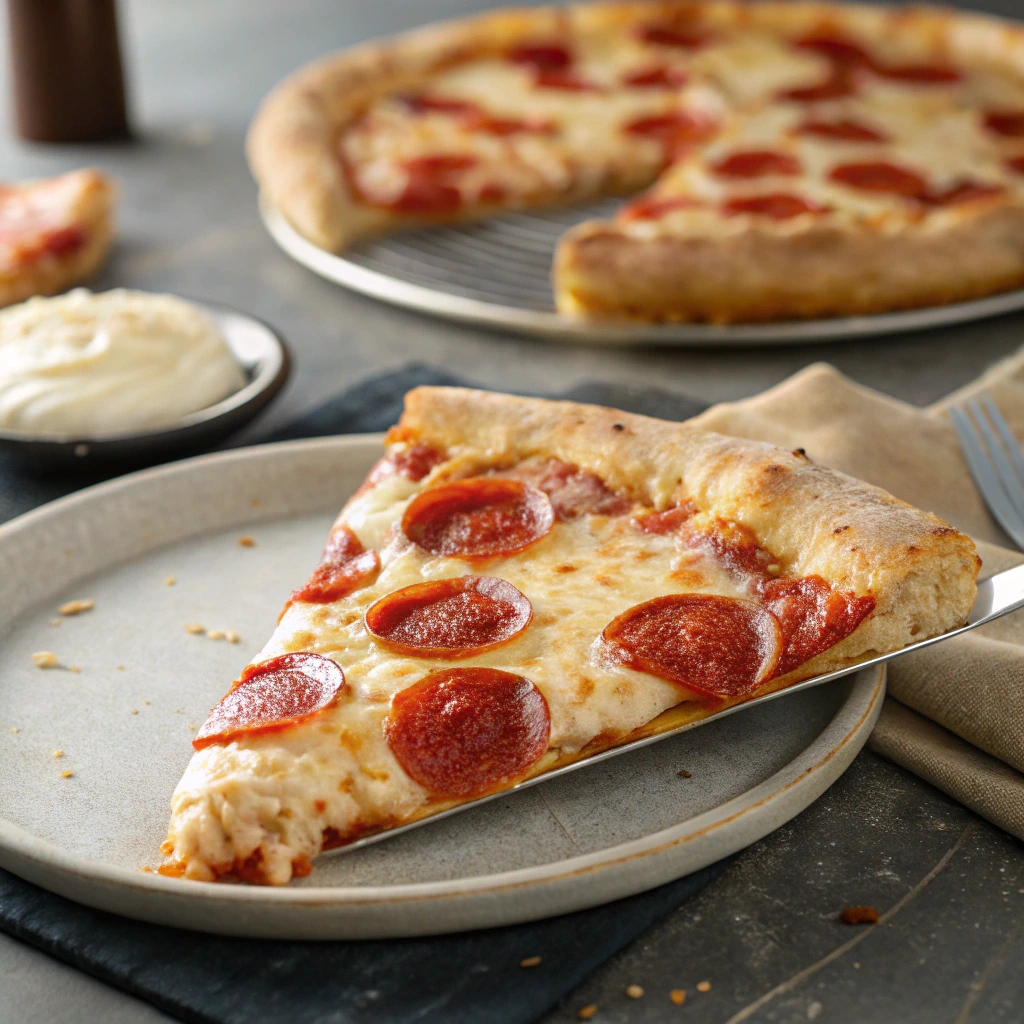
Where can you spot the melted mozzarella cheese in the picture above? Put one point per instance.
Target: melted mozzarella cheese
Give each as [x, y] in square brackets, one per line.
[278, 792]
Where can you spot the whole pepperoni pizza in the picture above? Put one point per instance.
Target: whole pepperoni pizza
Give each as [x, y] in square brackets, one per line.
[520, 584]
[800, 159]
[54, 233]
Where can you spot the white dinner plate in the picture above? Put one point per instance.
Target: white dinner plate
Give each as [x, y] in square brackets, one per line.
[123, 723]
[497, 274]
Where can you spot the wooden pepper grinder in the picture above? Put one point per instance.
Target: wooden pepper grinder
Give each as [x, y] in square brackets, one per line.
[68, 80]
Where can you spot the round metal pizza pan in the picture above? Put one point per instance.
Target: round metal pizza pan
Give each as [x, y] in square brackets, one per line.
[497, 274]
[125, 719]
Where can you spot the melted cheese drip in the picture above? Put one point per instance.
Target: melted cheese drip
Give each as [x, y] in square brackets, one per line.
[278, 792]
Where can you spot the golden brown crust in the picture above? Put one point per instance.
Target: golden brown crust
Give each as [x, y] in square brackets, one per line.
[813, 269]
[920, 571]
[91, 211]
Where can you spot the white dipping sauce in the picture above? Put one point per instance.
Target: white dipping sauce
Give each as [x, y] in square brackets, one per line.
[109, 363]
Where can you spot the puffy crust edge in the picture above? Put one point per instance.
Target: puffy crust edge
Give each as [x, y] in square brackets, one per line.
[920, 571]
[816, 270]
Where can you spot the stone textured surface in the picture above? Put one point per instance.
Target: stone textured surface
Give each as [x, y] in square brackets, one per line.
[189, 224]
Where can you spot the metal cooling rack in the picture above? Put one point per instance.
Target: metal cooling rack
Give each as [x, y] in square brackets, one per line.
[498, 274]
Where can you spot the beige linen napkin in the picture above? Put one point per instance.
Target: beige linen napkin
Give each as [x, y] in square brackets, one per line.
[955, 712]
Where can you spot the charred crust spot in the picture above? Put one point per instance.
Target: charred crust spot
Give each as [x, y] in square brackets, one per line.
[840, 529]
[911, 548]
[943, 531]
[801, 453]
[320, 805]
[774, 467]
[618, 427]
[301, 866]
[566, 567]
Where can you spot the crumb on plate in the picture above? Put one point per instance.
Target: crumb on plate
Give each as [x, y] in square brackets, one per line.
[46, 659]
[194, 628]
[246, 542]
[530, 961]
[703, 986]
[678, 996]
[77, 607]
[586, 1012]
[634, 992]
[859, 915]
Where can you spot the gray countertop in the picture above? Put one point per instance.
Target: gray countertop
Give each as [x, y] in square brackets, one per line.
[764, 933]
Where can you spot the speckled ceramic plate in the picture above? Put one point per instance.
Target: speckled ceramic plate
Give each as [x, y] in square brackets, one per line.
[122, 721]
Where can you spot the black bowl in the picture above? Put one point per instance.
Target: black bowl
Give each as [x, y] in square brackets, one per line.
[264, 358]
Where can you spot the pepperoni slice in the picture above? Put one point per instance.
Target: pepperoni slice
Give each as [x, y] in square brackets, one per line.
[450, 618]
[544, 56]
[756, 163]
[482, 517]
[880, 177]
[668, 521]
[663, 35]
[414, 462]
[839, 84]
[712, 645]
[813, 616]
[657, 77]
[1008, 123]
[572, 491]
[344, 566]
[777, 205]
[431, 184]
[424, 103]
[653, 207]
[837, 49]
[675, 131]
[273, 695]
[843, 130]
[963, 192]
[545, 78]
[62, 240]
[918, 74]
[463, 731]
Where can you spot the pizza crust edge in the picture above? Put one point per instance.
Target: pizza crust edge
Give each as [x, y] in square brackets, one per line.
[921, 572]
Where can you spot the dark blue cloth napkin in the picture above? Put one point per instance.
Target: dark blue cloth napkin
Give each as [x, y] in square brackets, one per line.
[473, 978]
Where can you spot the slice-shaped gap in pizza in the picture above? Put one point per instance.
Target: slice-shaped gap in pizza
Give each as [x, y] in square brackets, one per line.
[520, 584]
[54, 233]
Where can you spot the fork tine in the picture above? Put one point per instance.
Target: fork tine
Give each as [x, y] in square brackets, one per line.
[1010, 442]
[985, 477]
[1005, 469]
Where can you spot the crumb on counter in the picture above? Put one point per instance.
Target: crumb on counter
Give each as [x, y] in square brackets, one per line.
[58, 753]
[74, 668]
[246, 542]
[231, 636]
[678, 996]
[586, 1012]
[120, 668]
[55, 622]
[215, 634]
[194, 628]
[703, 986]
[67, 774]
[135, 711]
[13, 729]
[684, 774]
[191, 727]
[530, 961]
[76, 607]
[859, 915]
[144, 701]
[170, 581]
[634, 992]
[46, 659]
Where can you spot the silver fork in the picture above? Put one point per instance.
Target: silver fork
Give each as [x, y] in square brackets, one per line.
[995, 461]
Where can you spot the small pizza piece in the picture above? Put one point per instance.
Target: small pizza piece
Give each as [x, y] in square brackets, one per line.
[54, 233]
[520, 584]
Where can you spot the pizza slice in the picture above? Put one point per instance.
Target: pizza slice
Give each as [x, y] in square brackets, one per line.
[54, 233]
[521, 583]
